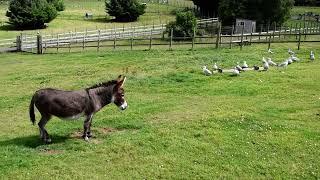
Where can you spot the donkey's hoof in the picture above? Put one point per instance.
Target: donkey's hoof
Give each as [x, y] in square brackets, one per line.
[89, 135]
[47, 141]
[86, 138]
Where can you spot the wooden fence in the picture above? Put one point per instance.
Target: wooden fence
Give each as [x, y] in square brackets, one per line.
[30, 42]
[148, 37]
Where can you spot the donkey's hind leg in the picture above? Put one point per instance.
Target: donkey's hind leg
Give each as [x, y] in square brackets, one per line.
[43, 132]
[86, 127]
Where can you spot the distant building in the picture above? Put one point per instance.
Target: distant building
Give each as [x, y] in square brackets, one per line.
[88, 15]
[249, 26]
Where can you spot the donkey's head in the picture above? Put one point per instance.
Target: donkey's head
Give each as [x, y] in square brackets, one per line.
[118, 93]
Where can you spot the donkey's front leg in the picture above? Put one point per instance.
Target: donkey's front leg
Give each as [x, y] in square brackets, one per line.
[86, 127]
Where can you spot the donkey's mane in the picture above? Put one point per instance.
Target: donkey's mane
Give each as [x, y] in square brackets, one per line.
[103, 84]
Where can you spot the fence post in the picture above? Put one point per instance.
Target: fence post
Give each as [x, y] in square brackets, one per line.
[131, 43]
[99, 34]
[299, 39]
[280, 31]
[193, 37]
[171, 36]
[306, 30]
[274, 30]
[162, 31]
[290, 29]
[150, 43]
[58, 43]
[70, 39]
[39, 44]
[251, 34]
[231, 36]
[296, 30]
[268, 28]
[83, 41]
[241, 43]
[260, 32]
[269, 42]
[19, 43]
[114, 38]
[218, 35]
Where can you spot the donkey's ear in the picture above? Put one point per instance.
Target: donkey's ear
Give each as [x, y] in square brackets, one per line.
[121, 83]
[119, 78]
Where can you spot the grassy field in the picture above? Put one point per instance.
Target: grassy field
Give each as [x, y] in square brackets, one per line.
[180, 124]
[302, 10]
[72, 19]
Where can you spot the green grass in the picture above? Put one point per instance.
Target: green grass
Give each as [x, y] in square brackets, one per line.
[72, 19]
[302, 10]
[180, 124]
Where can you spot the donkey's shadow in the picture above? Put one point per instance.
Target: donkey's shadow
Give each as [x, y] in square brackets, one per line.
[32, 141]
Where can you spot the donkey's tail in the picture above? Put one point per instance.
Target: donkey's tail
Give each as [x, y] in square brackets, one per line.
[31, 111]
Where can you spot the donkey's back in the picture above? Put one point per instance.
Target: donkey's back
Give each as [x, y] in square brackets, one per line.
[60, 103]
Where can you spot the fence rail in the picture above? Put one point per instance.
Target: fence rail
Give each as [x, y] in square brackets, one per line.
[154, 36]
[29, 42]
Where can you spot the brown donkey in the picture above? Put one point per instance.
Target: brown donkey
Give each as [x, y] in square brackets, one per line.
[74, 104]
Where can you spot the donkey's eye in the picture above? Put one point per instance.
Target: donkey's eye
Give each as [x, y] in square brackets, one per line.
[122, 95]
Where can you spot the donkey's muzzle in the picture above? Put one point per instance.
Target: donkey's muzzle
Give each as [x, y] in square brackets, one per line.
[123, 106]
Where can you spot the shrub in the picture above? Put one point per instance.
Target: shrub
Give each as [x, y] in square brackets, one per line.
[183, 26]
[30, 14]
[58, 4]
[125, 10]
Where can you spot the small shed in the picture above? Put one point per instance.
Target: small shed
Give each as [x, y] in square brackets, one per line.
[88, 15]
[248, 25]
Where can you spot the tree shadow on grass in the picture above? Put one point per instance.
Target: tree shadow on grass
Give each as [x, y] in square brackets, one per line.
[32, 141]
[7, 27]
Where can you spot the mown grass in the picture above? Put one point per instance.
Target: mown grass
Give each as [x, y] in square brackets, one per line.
[180, 124]
[72, 19]
[303, 10]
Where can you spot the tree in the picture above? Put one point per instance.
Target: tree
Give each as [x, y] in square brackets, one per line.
[58, 4]
[30, 14]
[207, 7]
[307, 3]
[184, 25]
[125, 10]
[260, 10]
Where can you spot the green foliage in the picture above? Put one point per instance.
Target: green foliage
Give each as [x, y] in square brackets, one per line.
[179, 124]
[207, 7]
[262, 11]
[58, 4]
[184, 25]
[307, 3]
[125, 10]
[30, 14]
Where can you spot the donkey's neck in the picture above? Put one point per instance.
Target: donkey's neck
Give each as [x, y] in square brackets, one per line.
[101, 96]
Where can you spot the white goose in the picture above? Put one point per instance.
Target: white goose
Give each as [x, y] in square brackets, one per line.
[290, 51]
[265, 64]
[235, 71]
[294, 58]
[206, 71]
[289, 60]
[238, 67]
[283, 64]
[244, 65]
[271, 63]
[312, 58]
[215, 67]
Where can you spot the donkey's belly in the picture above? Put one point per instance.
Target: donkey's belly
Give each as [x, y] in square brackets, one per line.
[74, 117]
